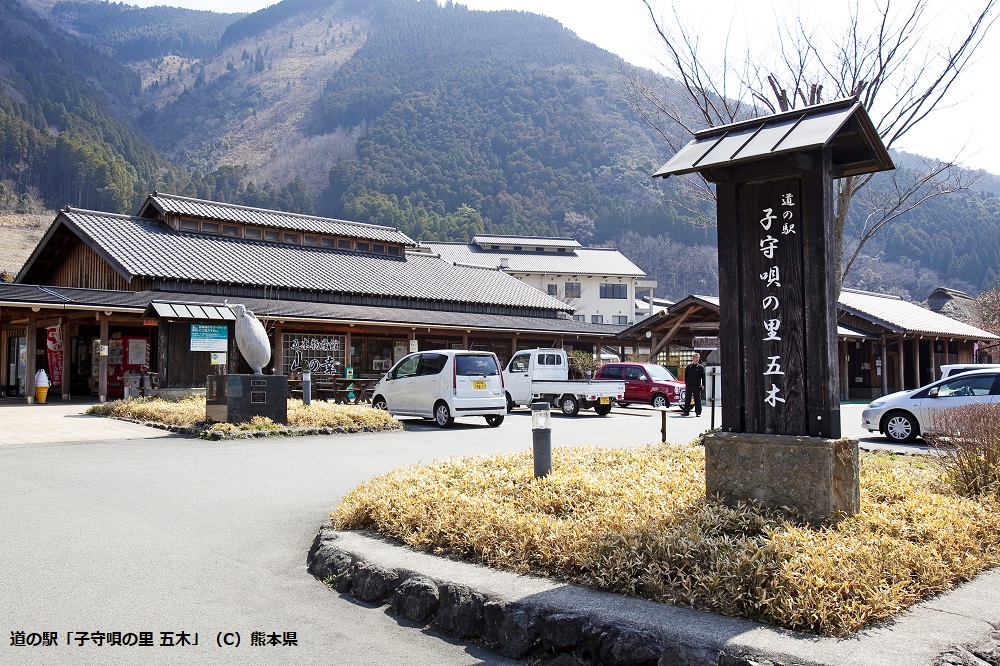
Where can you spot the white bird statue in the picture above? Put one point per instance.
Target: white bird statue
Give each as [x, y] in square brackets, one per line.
[251, 338]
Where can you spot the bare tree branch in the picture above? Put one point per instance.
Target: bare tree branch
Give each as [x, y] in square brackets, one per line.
[886, 66]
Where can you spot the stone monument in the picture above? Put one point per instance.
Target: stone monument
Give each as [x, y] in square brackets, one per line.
[238, 398]
[781, 441]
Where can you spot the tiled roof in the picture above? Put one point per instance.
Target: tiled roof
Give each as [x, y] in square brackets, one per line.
[144, 247]
[28, 295]
[526, 241]
[214, 210]
[585, 261]
[899, 316]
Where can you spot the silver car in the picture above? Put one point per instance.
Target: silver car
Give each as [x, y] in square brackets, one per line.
[904, 415]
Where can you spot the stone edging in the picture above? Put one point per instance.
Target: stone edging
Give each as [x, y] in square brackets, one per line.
[517, 630]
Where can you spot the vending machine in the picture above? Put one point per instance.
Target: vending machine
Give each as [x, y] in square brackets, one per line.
[128, 357]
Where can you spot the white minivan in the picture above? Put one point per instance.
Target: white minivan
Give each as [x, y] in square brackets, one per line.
[443, 384]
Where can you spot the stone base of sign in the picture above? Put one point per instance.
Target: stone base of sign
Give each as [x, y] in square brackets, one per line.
[815, 477]
[238, 398]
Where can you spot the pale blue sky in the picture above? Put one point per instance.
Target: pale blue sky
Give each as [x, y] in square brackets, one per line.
[966, 129]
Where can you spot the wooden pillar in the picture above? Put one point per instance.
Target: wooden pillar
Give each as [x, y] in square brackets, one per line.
[899, 363]
[916, 362]
[348, 345]
[102, 376]
[278, 356]
[163, 353]
[845, 388]
[67, 365]
[30, 365]
[885, 367]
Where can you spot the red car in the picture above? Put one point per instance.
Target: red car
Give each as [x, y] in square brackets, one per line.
[645, 383]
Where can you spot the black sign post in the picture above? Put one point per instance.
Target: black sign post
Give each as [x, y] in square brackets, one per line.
[780, 441]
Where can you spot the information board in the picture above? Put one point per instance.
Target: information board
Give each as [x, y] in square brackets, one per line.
[209, 337]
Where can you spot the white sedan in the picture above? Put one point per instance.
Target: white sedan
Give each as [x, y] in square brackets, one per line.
[904, 415]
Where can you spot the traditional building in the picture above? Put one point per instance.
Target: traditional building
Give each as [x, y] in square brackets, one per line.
[885, 343]
[601, 284]
[105, 298]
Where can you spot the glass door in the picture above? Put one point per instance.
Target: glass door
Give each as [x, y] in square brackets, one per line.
[17, 356]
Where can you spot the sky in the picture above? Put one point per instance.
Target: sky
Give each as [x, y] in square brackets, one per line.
[964, 130]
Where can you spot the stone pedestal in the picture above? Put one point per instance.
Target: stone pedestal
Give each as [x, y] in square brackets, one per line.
[238, 398]
[816, 477]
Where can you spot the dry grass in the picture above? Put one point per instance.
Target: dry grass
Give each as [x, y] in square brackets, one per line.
[968, 439]
[190, 413]
[635, 521]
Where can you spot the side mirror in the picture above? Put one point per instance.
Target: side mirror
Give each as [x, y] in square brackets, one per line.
[933, 393]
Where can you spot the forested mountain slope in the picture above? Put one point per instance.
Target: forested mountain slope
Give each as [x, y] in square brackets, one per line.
[441, 121]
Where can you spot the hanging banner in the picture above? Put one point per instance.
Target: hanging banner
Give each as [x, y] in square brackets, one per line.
[54, 353]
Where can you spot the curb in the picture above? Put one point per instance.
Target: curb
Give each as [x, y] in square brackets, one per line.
[547, 622]
[561, 625]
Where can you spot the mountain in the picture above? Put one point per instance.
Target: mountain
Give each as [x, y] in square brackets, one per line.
[439, 120]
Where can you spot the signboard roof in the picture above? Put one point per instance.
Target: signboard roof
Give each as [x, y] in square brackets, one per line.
[842, 124]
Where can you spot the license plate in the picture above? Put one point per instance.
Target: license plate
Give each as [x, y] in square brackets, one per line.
[605, 401]
[479, 386]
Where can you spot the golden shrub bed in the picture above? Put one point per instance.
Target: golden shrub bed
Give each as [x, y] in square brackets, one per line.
[635, 521]
[190, 413]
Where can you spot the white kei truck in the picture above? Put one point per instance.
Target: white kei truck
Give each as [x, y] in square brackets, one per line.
[543, 374]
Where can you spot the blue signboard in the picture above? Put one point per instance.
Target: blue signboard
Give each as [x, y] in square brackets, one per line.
[209, 337]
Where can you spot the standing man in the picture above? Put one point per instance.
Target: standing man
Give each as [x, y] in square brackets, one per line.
[694, 385]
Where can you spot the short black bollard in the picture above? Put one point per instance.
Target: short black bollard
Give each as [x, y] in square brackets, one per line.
[306, 387]
[663, 426]
[541, 438]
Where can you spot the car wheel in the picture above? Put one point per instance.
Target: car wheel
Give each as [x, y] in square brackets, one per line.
[510, 404]
[660, 401]
[378, 402]
[603, 410]
[900, 427]
[494, 420]
[570, 405]
[442, 415]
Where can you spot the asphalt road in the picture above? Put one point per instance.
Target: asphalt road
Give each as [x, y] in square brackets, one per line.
[184, 536]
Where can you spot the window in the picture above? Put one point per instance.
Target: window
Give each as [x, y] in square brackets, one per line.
[520, 363]
[596, 319]
[539, 249]
[610, 290]
[572, 290]
[635, 373]
[579, 317]
[310, 240]
[553, 289]
[290, 238]
[393, 251]
[611, 372]
[967, 386]
[251, 233]
[342, 244]
[549, 359]
[272, 235]
[620, 319]
[479, 364]
[407, 367]
[432, 364]
[378, 249]
[190, 225]
[230, 230]
[361, 247]
[210, 227]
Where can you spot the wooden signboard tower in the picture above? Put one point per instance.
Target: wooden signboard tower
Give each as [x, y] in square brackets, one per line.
[778, 297]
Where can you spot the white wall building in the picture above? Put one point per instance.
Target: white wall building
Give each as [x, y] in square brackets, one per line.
[600, 283]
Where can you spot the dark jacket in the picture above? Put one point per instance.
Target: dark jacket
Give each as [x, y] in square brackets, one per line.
[694, 376]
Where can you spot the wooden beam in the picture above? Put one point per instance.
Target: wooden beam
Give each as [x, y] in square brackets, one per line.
[670, 334]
